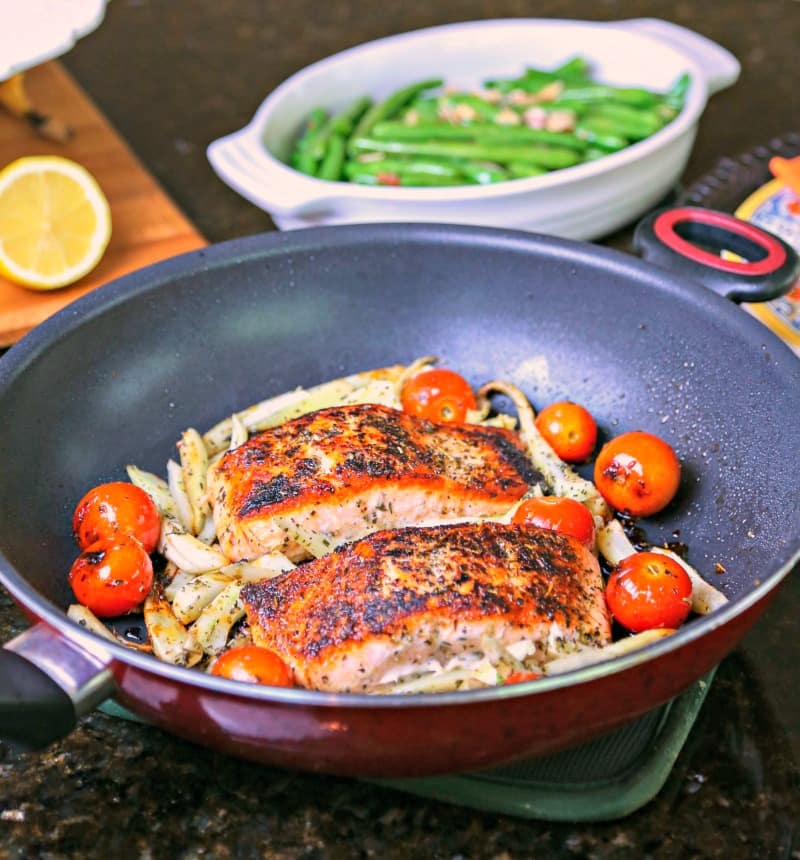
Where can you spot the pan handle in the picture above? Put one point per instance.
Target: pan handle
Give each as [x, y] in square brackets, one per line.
[676, 239]
[46, 684]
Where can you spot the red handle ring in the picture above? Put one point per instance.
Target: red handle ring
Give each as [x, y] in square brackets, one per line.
[664, 229]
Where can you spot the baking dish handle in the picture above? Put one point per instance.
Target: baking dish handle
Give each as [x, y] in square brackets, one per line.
[47, 683]
[721, 68]
[690, 240]
[242, 163]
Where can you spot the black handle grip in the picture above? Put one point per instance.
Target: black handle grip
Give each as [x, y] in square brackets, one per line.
[688, 240]
[34, 710]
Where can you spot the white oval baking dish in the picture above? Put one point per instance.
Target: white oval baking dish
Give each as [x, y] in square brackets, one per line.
[582, 202]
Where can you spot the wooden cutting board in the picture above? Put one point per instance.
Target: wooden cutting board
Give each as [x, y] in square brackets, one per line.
[146, 225]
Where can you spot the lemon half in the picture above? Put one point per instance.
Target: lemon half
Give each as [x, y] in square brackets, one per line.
[55, 222]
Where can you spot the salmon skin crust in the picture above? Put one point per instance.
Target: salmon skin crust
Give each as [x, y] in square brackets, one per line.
[399, 603]
[347, 471]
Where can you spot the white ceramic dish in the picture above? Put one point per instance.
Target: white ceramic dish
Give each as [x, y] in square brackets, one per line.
[582, 202]
[40, 30]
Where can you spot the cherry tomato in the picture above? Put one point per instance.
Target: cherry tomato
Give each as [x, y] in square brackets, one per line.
[569, 429]
[521, 677]
[438, 395]
[558, 514]
[114, 510]
[112, 577]
[253, 665]
[648, 590]
[637, 473]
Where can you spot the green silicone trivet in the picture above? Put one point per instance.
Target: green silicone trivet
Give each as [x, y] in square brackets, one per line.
[609, 778]
[603, 780]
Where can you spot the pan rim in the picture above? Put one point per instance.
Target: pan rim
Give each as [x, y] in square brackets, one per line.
[221, 254]
[227, 253]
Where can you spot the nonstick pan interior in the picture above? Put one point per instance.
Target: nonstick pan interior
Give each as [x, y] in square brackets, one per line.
[115, 378]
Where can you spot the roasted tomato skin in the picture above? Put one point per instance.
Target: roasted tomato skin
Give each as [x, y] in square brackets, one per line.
[569, 429]
[648, 591]
[558, 514]
[252, 664]
[114, 510]
[438, 395]
[112, 577]
[637, 473]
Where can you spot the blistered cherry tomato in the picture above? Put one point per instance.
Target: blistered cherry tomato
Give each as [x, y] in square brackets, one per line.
[112, 577]
[637, 473]
[569, 429]
[558, 514]
[438, 395]
[253, 665]
[114, 510]
[521, 677]
[649, 590]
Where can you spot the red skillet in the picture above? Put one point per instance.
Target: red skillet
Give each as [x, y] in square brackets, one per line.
[115, 377]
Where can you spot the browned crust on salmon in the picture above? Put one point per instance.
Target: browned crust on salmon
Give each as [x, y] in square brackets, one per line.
[393, 584]
[325, 458]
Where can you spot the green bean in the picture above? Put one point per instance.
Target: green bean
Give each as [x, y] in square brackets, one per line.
[417, 137]
[483, 110]
[519, 170]
[676, 94]
[303, 161]
[627, 121]
[419, 180]
[314, 121]
[595, 132]
[599, 92]
[484, 133]
[559, 104]
[317, 142]
[531, 82]
[483, 172]
[365, 178]
[502, 85]
[422, 131]
[430, 180]
[545, 156]
[323, 149]
[576, 69]
[435, 167]
[424, 109]
[666, 113]
[301, 158]
[332, 163]
[393, 104]
[344, 121]
[593, 153]
[522, 134]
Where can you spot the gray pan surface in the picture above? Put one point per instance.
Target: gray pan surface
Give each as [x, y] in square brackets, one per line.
[187, 342]
[116, 377]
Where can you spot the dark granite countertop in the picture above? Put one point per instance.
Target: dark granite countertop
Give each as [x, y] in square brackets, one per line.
[174, 76]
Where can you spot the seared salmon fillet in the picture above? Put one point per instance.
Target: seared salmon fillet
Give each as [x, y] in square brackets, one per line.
[347, 471]
[402, 602]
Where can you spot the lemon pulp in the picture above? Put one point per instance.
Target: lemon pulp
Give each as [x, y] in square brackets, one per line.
[55, 222]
